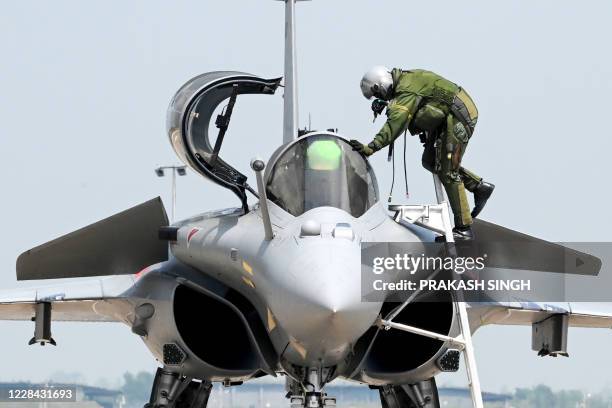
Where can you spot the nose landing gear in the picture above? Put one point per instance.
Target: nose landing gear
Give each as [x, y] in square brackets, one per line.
[312, 400]
[309, 393]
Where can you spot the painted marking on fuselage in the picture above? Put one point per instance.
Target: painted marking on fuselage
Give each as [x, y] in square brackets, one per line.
[191, 234]
[271, 321]
[248, 282]
[142, 272]
[247, 268]
[301, 350]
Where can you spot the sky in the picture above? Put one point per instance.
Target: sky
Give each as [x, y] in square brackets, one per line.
[84, 88]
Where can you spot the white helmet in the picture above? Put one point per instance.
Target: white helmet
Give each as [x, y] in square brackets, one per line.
[377, 82]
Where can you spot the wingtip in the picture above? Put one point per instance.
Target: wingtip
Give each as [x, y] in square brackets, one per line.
[20, 265]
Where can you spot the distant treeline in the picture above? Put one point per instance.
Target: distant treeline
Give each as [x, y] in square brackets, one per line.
[543, 396]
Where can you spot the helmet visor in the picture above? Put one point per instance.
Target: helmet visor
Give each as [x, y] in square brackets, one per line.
[366, 89]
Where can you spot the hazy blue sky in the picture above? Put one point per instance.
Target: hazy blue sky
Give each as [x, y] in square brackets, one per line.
[84, 87]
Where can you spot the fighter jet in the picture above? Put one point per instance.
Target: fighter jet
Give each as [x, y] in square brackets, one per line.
[271, 287]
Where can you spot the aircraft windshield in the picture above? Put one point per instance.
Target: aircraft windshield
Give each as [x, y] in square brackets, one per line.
[322, 171]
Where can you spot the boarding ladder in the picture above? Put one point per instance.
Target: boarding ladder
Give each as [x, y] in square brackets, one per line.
[437, 218]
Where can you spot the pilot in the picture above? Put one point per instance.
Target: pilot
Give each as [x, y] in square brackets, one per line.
[444, 116]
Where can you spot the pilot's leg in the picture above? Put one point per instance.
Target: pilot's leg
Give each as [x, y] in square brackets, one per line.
[470, 179]
[475, 185]
[434, 151]
[481, 189]
[450, 148]
[428, 159]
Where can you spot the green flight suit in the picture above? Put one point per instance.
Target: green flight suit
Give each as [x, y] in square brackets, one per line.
[416, 94]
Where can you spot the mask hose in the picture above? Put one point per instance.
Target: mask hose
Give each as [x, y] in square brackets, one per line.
[405, 171]
[391, 158]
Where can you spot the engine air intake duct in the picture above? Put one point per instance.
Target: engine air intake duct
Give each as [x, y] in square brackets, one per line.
[396, 351]
[213, 331]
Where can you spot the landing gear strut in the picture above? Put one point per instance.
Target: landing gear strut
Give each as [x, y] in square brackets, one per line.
[171, 390]
[309, 393]
[421, 395]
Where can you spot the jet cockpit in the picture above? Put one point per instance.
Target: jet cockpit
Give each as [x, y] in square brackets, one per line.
[319, 169]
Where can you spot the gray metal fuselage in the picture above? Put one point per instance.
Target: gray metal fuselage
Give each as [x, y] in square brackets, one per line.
[305, 288]
[296, 299]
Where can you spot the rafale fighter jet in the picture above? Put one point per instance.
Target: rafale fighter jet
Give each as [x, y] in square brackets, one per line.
[271, 288]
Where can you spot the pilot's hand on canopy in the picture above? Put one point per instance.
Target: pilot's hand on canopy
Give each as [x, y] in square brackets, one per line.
[366, 150]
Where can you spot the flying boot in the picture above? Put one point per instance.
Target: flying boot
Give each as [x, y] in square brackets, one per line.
[460, 233]
[481, 194]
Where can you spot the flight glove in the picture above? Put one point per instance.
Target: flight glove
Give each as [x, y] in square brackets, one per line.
[366, 150]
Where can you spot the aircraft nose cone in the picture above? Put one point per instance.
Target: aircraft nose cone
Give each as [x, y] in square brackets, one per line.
[320, 307]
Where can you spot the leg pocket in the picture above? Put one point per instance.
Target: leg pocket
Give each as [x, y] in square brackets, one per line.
[460, 132]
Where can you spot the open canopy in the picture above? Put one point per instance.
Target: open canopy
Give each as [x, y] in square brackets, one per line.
[189, 117]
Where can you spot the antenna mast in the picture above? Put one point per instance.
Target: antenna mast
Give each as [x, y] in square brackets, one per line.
[290, 108]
